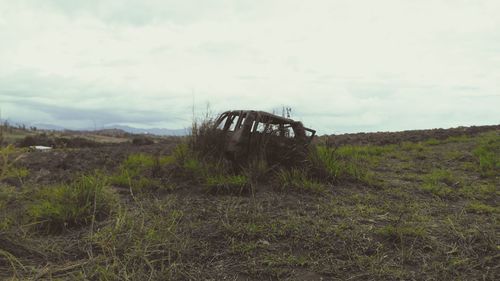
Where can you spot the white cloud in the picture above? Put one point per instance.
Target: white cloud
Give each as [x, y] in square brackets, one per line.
[342, 65]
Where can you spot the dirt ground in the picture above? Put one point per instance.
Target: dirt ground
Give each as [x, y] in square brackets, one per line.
[426, 213]
[385, 138]
[63, 165]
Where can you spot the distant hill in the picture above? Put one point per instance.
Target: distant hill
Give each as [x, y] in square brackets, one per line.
[50, 127]
[152, 131]
[117, 130]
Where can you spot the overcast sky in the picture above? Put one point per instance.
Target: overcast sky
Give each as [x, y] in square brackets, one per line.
[341, 65]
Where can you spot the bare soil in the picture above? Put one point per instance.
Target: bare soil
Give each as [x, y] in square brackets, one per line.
[388, 229]
[385, 138]
[63, 165]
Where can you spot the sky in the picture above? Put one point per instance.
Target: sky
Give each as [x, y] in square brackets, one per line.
[341, 65]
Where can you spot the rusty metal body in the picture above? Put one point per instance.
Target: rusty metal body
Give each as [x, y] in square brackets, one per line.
[251, 133]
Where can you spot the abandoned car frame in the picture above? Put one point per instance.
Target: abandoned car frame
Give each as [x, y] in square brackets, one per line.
[251, 133]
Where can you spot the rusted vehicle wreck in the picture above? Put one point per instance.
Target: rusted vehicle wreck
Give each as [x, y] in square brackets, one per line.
[249, 134]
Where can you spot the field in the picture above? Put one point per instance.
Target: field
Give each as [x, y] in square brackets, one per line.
[419, 205]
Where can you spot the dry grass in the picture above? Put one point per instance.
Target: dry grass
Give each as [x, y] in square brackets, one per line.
[293, 226]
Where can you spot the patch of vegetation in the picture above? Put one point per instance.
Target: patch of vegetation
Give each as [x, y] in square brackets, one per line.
[57, 208]
[395, 232]
[432, 142]
[257, 171]
[206, 142]
[487, 153]
[345, 163]
[297, 179]
[440, 182]
[413, 146]
[481, 208]
[457, 139]
[140, 243]
[454, 155]
[187, 163]
[8, 198]
[142, 172]
[227, 183]
[7, 164]
[479, 191]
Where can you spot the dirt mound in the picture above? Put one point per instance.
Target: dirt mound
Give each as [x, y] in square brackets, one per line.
[57, 142]
[384, 138]
[142, 141]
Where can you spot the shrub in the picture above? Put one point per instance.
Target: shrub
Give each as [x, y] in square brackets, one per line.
[205, 140]
[56, 208]
[142, 141]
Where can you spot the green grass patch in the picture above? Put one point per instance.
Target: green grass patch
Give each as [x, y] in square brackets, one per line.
[297, 179]
[481, 208]
[187, 163]
[138, 183]
[440, 183]
[141, 172]
[227, 183]
[480, 191]
[216, 174]
[136, 164]
[57, 208]
[457, 139]
[431, 142]
[487, 153]
[140, 243]
[7, 164]
[346, 162]
[9, 199]
[413, 146]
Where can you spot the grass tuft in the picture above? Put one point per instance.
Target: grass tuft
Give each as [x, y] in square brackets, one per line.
[345, 163]
[481, 208]
[227, 183]
[7, 167]
[487, 154]
[140, 243]
[142, 172]
[440, 183]
[57, 208]
[297, 179]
